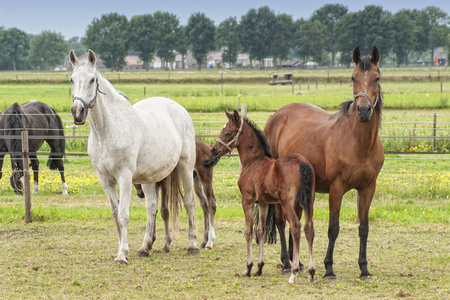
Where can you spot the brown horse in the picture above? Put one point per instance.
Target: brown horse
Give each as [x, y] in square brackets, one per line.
[203, 177]
[344, 148]
[288, 180]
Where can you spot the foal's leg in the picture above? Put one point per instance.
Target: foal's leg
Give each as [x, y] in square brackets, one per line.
[203, 203]
[151, 205]
[185, 169]
[295, 229]
[248, 205]
[206, 181]
[309, 233]
[35, 166]
[263, 209]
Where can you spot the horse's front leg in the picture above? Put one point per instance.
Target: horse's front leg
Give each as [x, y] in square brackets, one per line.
[248, 205]
[35, 166]
[151, 205]
[110, 189]
[364, 200]
[263, 209]
[123, 217]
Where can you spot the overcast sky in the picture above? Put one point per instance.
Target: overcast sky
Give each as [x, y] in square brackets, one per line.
[71, 18]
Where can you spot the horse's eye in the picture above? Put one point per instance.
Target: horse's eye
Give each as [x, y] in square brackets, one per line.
[377, 79]
[353, 78]
[92, 81]
[228, 133]
[71, 80]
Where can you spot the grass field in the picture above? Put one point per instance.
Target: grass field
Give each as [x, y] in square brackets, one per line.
[68, 249]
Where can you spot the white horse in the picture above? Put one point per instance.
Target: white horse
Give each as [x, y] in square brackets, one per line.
[141, 143]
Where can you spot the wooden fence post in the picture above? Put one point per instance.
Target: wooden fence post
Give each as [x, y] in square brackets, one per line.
[26, 176]
[434, 132]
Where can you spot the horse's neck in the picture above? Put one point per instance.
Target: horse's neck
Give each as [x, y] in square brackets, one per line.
[249, 147]
[109, 108]
[366, 134]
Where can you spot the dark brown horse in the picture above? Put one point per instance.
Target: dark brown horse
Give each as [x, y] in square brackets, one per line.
[203, 177]
[288, 180]
[344, 148]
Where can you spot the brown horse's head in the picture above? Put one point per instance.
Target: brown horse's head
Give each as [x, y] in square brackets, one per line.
[227, 140]
[366, 77]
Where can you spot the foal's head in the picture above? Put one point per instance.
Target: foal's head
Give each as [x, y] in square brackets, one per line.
[366, 90]
[84, 85]
[227, 140]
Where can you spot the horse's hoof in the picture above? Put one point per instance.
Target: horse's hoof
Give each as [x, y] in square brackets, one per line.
[208, 247]
[193, 251]
[142, 254]
[203, 245]
[302, 269]
[166, 249]
[367, 278]
[331, 278]
[286, 271]
[120, 262]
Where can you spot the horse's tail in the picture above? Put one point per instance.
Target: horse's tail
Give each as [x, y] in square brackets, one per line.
[304, 196]
[15, 125]
[271, 226]
[56, 122]
[172, 194]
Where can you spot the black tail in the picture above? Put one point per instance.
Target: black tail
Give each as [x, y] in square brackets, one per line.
[53, 158]
[271, 226]
[304, 198]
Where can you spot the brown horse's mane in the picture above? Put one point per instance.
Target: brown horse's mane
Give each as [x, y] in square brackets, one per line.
[261, 138]
[365, 65]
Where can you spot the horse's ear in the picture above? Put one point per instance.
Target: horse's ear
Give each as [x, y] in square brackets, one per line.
[375, 57]
[356, 55]
[91, 57]
[73, 58]
[237, 118]
[229, 116]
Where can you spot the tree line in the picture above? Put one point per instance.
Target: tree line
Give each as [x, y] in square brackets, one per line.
[331, 30]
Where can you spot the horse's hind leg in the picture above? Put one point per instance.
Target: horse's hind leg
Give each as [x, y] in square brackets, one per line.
[309, 233]
[295, 229]
[151, 205]
[248, 205]
[164, 184]
[35, 166]
[185, 169]
[263, 209]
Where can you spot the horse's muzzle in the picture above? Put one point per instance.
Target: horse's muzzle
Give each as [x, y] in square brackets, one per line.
[364, 112]
[79, 113]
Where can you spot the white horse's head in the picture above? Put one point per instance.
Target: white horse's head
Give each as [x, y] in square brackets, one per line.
[84, 85]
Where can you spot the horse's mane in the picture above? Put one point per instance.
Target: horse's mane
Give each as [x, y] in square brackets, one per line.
[261, 138]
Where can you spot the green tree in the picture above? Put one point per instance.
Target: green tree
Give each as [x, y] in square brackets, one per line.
[200, 31]
[183, 46]
[311, 37]
[248, 33]
[109, 38]
[14, 47]
[282, 41]
[369, 27]
[257, 29]
[48, 50]
[142, 37]
[227, 37]
[76, 45]
[328, 15]
[430, 22]
[167, 35]
[404, 36]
